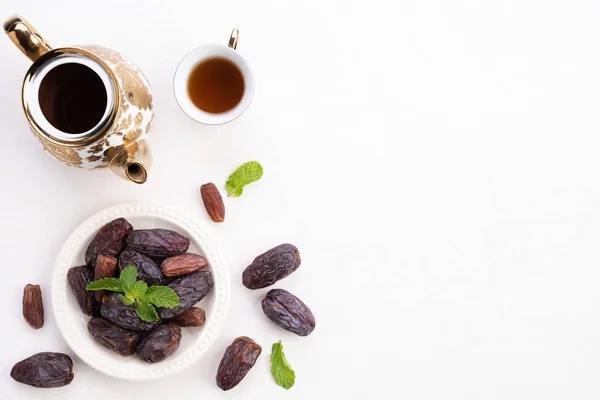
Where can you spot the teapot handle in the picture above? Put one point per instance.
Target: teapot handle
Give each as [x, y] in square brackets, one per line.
[26, 37]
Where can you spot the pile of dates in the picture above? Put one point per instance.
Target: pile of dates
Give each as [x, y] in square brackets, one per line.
[160, 257]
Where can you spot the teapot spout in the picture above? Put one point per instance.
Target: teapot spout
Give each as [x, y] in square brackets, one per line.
[133, 162]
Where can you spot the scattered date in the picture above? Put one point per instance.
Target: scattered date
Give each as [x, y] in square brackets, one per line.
[238, 359]
[44, 370]
[269, 267]
[33, 308]
[289, 312]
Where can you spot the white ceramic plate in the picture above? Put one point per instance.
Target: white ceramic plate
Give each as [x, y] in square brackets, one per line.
[73, 323]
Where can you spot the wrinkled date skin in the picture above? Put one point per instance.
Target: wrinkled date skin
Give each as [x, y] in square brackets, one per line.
[113, 337]
[271, 266]
[79, 277]
[109, 240]
[115, 311]
[183, 264]
[147, 269]
[33, 308]
[158, 242]
[238, 359]
[195, 316]
[160, 343]
[190, 289]
[289, 312]
[44, 370]
[106, 267]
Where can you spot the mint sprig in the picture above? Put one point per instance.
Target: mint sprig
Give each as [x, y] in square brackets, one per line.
[281, 369]
[138, 293]
[245, 174]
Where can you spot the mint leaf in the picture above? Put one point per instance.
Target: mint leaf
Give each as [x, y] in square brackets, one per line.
[126, 300]
[245, 174]
[281, 369]
[145, 311]
[112, 284]
[161, 296]
[138, 293]
[128, 277]
[138, 290]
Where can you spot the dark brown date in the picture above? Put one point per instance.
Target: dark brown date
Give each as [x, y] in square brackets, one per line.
[238, 359]
[115, 311]
[271, 266]
[113, 337]
[106, 267]
[158, 242]
[33, 308]
[160, 343]
[289, 312]
[147, 269]
[193, 317]
[110, 240]
[183, 264]
[190, 289]
[79, 277]
[44, 370]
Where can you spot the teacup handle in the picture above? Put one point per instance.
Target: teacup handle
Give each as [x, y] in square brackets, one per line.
[233, 39]
[26, 37]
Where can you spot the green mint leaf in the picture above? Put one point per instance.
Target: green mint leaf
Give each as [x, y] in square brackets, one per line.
[245, 174]
[128, 277]
[126, 300]
[145, 311]
[281, 369]
[162, 296]
[112, 284]
[138, 290]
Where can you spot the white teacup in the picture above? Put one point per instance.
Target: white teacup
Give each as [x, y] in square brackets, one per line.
[199, 55]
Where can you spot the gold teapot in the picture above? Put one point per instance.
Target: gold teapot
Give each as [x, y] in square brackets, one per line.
[89, 106]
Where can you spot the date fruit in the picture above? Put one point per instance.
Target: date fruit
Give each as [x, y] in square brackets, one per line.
[193, 317]
[110, 240]
[289, 312]
[190, 289]
[160, 343]
[79, 277]
[238, 359]
[213, 202]
[147, 269]
[158, 242]
[115, 311]
[44, 370]
[33, 308]
[183, 264]
[113, 337]
[106, 267]
[271, 266]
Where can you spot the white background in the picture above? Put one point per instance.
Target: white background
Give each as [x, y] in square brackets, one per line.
[435, 161]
